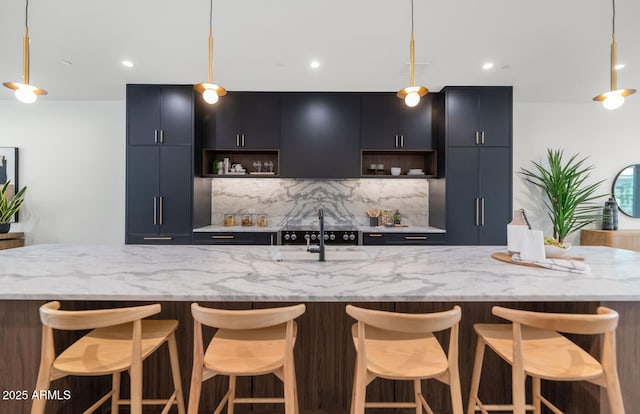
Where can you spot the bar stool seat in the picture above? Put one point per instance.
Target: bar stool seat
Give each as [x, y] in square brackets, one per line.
[533, 346]
[120, 340]
[401, 346]
[246, 343]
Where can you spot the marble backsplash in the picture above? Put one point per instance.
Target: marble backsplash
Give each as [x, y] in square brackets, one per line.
[294, 202]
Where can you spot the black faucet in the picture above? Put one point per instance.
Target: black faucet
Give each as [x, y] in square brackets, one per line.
[320, 248]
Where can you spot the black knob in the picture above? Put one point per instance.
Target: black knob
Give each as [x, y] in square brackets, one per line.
[313, 236]
[332, 236]
[326, 237]
[287, 236]
[293, 237]
[307, 237]
[345, 236]
[352, 237]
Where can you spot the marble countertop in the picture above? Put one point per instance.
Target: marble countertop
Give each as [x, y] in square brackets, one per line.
[254, 273]
[368, 229]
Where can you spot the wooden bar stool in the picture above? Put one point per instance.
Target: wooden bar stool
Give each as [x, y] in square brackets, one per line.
[401, 346]
[246, 343]
[533, 347]
[120, 341]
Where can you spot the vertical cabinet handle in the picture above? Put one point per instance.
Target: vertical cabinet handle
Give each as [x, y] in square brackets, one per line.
[155, 136]
[482, 207]
[237, 140]
[396, 141]
[155, 210]
[482, 138]
[243, 139]
[162, 136]
[401, 141]
[161, 199]
[477, 137]
[477, 211]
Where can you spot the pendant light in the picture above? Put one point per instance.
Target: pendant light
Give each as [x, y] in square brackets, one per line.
[615, 97]
[210, 91]
[24, 91]
[412, 94]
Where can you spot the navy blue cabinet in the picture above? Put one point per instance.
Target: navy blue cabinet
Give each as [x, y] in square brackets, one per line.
[402, 239]
[320, 134]
[479, 115]
[162, 114]
[247, 120]
[477, 154]
[387, 123]
[159, 168]
[236, 237]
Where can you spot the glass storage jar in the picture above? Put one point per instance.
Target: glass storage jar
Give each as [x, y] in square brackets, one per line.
[247, 219]
[261, 221]
[229, 220]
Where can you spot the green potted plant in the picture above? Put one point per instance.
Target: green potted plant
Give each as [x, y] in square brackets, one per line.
[568, 198]
[8, 208]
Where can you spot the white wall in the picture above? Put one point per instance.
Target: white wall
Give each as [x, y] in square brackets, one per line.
[611, 140]
[71, 158]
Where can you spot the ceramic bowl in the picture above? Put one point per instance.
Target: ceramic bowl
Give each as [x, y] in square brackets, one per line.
[553, 252]
[396, 170]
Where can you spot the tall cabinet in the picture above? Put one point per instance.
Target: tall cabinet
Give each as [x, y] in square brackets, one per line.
[478, 167]
[159, 164]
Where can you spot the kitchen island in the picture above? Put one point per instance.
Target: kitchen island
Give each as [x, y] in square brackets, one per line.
[408, 278]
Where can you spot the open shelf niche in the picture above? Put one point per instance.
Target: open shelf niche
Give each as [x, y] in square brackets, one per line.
[406, 160]
[245, 157]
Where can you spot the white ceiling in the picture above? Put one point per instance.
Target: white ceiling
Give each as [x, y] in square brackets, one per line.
[550, 50]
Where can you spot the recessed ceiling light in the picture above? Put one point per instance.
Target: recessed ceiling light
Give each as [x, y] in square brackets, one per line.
[66, 62]
[127, 63]
[619, 66]
[314, 64]
[487, 66]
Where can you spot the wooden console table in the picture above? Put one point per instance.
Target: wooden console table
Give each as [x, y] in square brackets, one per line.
[11, 240]
[621, 239]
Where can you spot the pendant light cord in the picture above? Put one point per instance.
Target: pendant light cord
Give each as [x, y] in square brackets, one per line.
[26, 14]
[210, 14]
[412, 16]
[613, 19]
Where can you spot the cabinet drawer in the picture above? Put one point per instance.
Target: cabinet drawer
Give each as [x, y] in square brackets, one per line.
[257, 238]
[158, 239]
[407, 239]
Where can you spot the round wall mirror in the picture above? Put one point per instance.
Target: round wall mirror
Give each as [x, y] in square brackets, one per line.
[626, 190]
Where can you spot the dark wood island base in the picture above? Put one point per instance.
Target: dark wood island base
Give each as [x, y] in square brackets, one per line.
[324, 359]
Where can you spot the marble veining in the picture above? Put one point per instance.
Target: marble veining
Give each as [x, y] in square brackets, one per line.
[295, 202]
[251, 273]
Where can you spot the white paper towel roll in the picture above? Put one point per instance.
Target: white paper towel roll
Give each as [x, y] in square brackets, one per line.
[532, 246]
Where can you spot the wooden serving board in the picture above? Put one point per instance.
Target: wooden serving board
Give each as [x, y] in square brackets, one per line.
[506, 257]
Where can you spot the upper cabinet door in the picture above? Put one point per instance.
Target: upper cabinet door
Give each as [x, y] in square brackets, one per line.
[387, 123]
[248, 120]
[159, 115]
[496, 116]
[414, 124]
[260, 120]
[461, 105]
[479, 116]
[143, 114]
[228, 121]
[379, 121]
[176, 115]
[320, 135]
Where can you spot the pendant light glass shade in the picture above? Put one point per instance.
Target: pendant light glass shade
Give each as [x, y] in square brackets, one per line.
[24, 92]
[210, 91]
[614, 98]
[412, 93]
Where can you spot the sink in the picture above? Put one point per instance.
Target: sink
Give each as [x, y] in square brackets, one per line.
[331, 254]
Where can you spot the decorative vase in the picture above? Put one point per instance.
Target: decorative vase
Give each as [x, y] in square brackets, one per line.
[4, 227]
